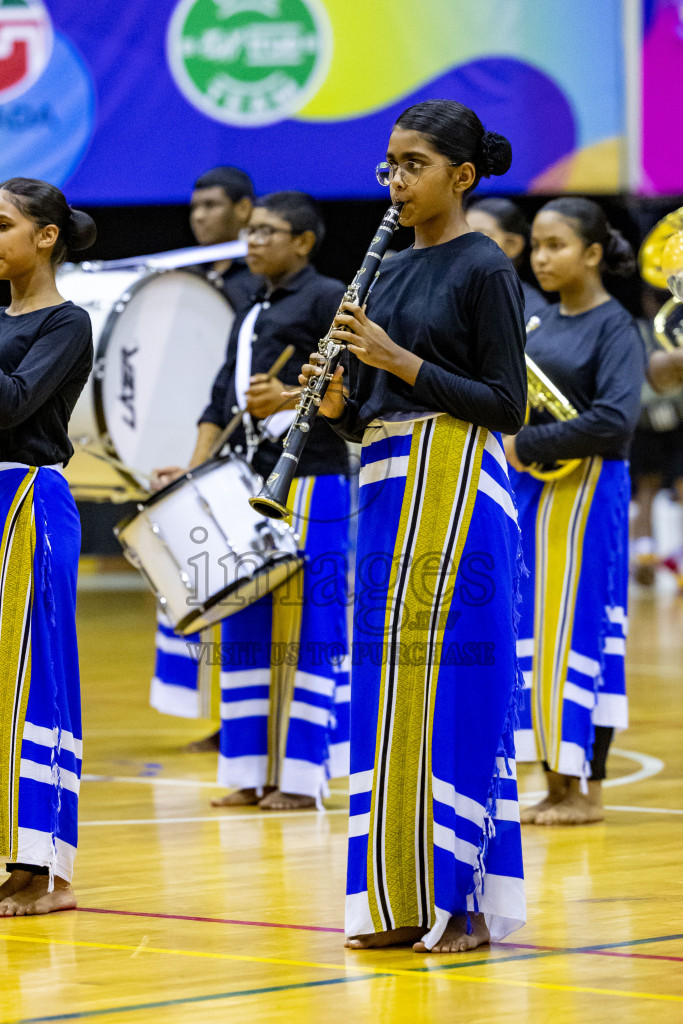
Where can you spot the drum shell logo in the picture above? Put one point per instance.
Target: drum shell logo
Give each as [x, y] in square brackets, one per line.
[249, 62]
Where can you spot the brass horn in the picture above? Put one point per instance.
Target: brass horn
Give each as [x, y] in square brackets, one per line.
[661, 265]
[661, 254]
[544, 396]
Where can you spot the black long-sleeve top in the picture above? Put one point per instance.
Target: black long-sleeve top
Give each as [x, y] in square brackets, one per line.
[237, 283]
[45, 360]
[298, 312]
[597, 360]
[459, 306]
[534, 302]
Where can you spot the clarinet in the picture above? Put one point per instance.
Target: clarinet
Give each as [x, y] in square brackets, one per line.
[272, 498]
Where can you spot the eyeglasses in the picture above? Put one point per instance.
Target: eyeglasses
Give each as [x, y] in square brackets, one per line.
[410, 171]
[262, 232]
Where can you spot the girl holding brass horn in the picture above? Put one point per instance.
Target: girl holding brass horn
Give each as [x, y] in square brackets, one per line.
[46, 356]
[436, 370]
[575, 530]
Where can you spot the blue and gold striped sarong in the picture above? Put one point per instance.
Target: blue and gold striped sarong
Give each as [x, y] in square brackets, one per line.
[434, 817]
[40, 721]
[572, 631]
[284, 672]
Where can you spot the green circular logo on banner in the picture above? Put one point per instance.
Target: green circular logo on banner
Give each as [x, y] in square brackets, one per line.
[249, 62]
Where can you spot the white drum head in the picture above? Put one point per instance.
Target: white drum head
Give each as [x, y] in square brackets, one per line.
[160, 340]
[161, 355]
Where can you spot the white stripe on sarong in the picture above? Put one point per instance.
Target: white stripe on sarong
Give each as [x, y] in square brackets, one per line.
[586, 666]
[525, 648]
[48, 738]
[256, 708]
[176, 645]
[50, 775]
[497, 493]
[359, 825]
[383, 469]
[495, 448]
[618, 617]
[361, 782]
[446, 839]
[245, 677]
[309, 713]
[314, 684]
[615, 645]
[576, 694]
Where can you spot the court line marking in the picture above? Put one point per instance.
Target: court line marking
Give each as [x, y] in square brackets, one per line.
[211, 920]
[649, 766]
[187, 1000]
[529, 798]
[258, 816]
[394, 972]
[598, 950]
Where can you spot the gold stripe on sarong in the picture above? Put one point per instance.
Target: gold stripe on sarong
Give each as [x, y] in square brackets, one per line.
[436, 511]
[17, 552]
[560, 527]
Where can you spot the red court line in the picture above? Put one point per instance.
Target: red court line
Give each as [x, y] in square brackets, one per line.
[340, 931]
[213, 920]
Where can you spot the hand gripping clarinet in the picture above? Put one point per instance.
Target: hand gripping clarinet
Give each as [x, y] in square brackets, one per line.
[272, 498]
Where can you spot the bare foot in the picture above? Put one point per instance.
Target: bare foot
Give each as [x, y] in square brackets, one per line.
[577, 808]
[558, 787]
[378, 940]
[277, 801]
[208, 743]
[455, 938]
[17, 880]
[35, 899]
[241, 798]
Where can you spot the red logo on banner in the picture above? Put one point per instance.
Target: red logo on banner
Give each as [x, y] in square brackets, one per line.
[25, 45]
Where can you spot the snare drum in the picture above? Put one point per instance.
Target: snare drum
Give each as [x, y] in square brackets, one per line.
[160, 339]
[203, 550]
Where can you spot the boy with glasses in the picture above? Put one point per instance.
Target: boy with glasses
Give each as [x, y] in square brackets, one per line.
[284, 706]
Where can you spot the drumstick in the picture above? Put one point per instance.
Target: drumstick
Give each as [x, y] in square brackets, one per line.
[116, 463]
[234, 423]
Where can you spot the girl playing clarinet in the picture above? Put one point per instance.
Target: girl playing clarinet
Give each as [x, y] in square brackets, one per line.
[436, 371]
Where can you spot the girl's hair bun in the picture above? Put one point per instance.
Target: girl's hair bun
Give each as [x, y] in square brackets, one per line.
[618, 255]
[81, 231]
[496, 154]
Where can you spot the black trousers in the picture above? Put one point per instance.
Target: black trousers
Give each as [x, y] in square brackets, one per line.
[27, 867]
[601, 745]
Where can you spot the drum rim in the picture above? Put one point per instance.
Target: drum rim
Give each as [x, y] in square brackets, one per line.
[190, 474]
[188, 620]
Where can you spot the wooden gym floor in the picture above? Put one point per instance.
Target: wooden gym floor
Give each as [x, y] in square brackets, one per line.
[188, 913]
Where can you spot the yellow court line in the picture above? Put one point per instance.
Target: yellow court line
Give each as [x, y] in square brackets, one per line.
[416, 975]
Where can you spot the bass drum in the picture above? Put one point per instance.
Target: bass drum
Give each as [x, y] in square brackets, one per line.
[160, 339]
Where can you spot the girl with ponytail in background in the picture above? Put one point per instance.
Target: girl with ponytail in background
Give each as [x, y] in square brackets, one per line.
[436, 371]
[46, 355]
[572, 632]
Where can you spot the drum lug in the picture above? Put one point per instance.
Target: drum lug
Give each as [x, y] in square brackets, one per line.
[98, 369]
